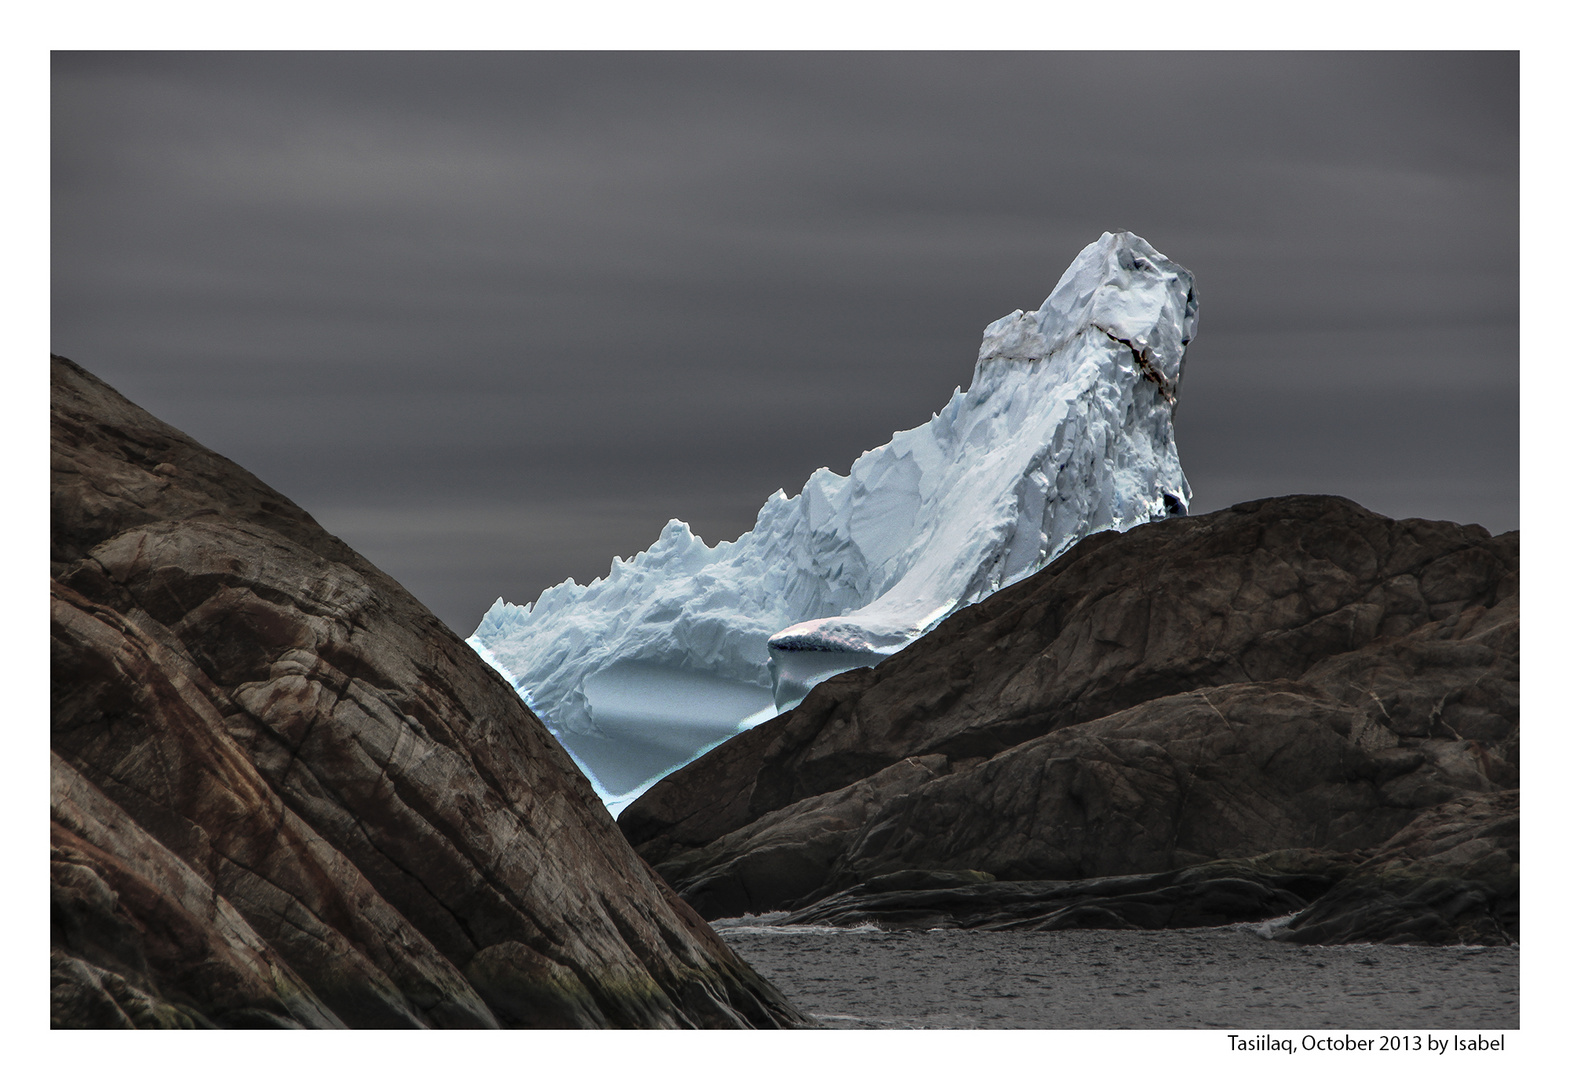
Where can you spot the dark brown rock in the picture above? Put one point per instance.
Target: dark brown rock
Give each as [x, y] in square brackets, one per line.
[286, 794]
[1210, 894]
[1291, 673]
[139, 939]
[764, 865]
[1451, 877]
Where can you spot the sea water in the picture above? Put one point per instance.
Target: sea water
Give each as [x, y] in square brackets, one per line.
[1221, 977]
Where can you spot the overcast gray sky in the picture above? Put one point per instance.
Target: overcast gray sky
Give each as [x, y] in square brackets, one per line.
[495, 318]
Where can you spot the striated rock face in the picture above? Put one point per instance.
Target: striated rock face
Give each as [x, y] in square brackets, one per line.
[284, 794]
[1227, 890]
[1295, 673]
[1452, 875]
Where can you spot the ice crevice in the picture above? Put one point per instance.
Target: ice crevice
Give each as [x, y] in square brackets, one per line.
[1143, 360]
[1065, 430]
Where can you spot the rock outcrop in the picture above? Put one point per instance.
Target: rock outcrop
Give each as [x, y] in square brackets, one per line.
[285, 794]
[1289, 676]
[1452, 876]
[1228, 890]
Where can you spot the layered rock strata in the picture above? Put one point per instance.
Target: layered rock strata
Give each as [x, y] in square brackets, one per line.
[284, 794]
[1289, 675]
[1452, 875]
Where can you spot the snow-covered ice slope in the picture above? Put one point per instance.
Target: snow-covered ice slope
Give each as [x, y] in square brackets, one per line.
[1066, 430]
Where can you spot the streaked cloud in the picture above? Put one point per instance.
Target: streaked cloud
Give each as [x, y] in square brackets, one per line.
[500, 288]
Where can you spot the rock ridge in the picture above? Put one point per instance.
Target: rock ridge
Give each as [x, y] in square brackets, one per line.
[1288, 674]
[284, 794]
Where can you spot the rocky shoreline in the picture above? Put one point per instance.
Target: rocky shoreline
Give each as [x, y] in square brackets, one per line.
[1290, 705]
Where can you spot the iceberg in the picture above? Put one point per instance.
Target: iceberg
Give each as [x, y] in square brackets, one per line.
[1066, 430]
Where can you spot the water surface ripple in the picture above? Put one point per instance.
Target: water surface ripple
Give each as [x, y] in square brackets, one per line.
[1225, 977]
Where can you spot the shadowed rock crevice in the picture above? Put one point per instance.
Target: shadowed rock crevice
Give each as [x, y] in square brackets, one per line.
[286, 794]
[1288, 674]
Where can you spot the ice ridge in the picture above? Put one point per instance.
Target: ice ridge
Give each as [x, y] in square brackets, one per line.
[1066, 430]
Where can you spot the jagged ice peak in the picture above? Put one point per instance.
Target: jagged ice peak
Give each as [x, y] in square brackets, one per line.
[1066, 430]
